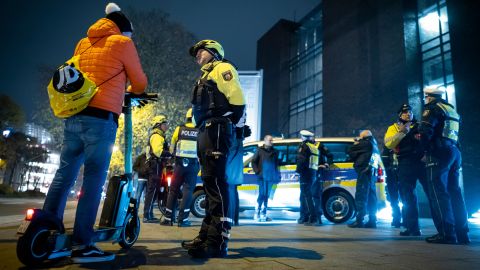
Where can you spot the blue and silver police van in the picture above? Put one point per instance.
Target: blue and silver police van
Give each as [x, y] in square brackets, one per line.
[339, 181]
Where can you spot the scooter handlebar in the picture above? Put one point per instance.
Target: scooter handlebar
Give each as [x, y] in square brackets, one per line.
[142, 99]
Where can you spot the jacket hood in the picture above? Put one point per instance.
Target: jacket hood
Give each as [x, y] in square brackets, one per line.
[103, 27]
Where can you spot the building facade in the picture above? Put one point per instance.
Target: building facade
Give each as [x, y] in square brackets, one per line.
[353, 63]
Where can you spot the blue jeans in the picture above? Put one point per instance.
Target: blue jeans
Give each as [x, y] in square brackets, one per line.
[140, 188]
[89, 141]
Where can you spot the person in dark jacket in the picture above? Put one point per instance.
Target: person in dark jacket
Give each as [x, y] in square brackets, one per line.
[366, 157]
[140, 166]
[439, 135]
[265, 164]
[307, 167]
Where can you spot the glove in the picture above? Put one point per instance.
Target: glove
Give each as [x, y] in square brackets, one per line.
[247, 132]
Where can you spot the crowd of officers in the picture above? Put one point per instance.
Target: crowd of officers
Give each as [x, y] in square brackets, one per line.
[426, 151]
[212, 136]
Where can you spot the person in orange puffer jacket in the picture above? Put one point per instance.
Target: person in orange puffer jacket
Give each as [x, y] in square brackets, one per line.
[109, 58]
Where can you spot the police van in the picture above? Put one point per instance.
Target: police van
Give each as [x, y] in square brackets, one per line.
[339, 181]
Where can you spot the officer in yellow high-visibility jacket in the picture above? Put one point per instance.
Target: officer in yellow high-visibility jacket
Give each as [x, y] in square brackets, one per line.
[157, 151]
[183, 147]
[408, 152]
[218, 110]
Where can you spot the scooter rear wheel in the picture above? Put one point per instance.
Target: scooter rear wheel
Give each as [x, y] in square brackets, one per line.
[130, 231]
[34, 246]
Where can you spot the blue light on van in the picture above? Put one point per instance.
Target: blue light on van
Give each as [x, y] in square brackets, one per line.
[386, 213]
[475, 218]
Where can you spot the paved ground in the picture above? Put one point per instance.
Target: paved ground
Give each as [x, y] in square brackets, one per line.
[281, 244]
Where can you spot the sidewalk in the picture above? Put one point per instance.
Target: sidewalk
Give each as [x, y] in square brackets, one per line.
[281, 244]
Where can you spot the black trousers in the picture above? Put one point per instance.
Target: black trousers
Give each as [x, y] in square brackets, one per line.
[184, 174]
[214, 142]
[317, 191]
[409, 171]
[393, 193]
[365, 195]
[307, 206]
[153, 185]
[448, 206]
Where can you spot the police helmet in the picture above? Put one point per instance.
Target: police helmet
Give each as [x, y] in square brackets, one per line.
[159, 119]
[306, 135]
[189, 113]
[212, 46]
[434, 90]
[404, 108]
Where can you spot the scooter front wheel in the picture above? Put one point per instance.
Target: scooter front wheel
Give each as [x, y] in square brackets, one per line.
[130, 231]
[34, 246]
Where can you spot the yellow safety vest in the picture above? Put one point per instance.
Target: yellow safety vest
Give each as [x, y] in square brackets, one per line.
[452, 122]
[313, 161]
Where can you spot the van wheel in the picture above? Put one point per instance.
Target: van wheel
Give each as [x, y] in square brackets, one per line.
[338, 206]
[199, 203]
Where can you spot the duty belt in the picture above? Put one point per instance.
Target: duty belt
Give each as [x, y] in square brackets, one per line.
[185, 161]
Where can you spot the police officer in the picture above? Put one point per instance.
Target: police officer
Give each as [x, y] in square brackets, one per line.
[401, 138]
[218, 109]
[390, 162]
[183, 147]
[325, 158]
[157, 151]
[439, 134]
[307, 167]
[366, 156]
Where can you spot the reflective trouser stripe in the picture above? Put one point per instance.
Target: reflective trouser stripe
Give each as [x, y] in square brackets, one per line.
[226, 219]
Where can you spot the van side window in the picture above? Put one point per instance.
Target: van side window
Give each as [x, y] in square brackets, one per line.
[248, 153]
[292, 154]
[339, 150]
[282, 153]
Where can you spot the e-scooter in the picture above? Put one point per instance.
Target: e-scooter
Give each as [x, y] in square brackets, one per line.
[42, 236]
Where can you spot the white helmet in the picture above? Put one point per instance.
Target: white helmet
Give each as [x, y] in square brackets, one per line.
[434, 90]
[306, 135]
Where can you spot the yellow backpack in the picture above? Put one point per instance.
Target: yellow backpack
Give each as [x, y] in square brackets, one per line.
[69, 90]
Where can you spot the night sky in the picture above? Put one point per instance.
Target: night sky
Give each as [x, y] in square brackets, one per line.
[36, 33]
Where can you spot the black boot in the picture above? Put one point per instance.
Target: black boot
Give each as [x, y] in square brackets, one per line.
[372, 223]
[205, 251]
[441, 239]
[148, 218]
[396, 223]
[166, 222]
[185, 223]
[463, 239]
[409, 232]
[302, 220]
[197, 241]
[356, 224]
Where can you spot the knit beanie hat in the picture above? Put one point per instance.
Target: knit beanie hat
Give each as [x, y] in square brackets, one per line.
[114, 14]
